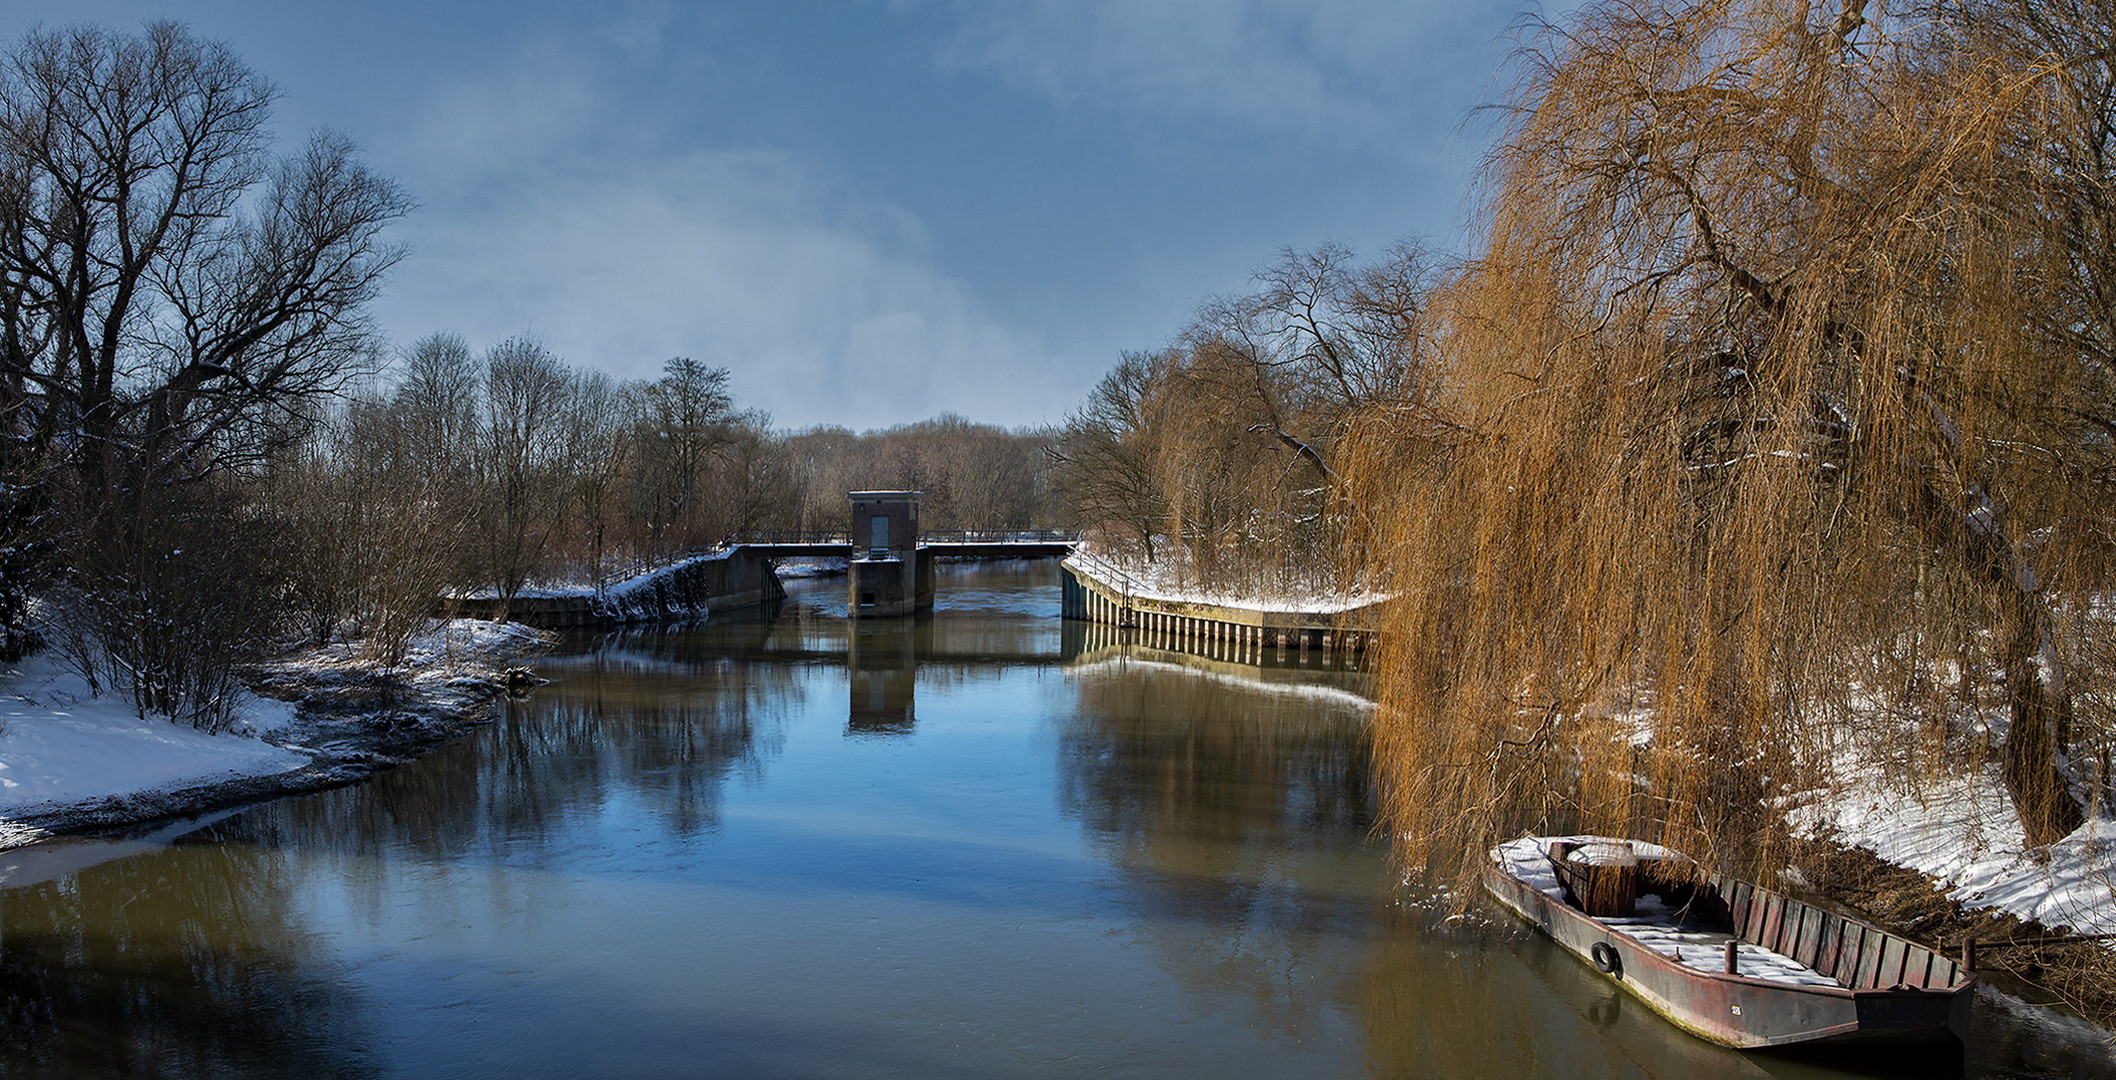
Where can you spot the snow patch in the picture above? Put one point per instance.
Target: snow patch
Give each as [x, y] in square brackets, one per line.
[1962, 832]
[58, 745]
[1167, 583]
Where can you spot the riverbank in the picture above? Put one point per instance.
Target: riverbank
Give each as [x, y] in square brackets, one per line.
[1950, 863]
[319, 717]
[1943, 865]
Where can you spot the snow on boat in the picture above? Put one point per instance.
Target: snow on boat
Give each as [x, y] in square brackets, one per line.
[1731, 962]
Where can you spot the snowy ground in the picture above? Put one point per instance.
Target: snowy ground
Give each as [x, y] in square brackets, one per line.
[1962, 833]
[58, 745]
[69, 759]
[1167, 582]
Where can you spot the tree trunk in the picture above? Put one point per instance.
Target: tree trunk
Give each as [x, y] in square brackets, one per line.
[1965, 521]
[2035, 742]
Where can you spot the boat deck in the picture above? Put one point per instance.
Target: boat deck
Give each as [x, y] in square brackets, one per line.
[1661, 929]
[1705, 950]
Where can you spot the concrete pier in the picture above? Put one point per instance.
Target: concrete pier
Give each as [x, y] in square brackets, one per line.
[890, 572]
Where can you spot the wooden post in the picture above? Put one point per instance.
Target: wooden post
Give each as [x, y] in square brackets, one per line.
[1969, 955]
[1733, 955]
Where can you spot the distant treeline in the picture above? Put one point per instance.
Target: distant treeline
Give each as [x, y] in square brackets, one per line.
[507, 468]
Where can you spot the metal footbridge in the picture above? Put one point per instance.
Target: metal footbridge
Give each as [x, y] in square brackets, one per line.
[945, 543]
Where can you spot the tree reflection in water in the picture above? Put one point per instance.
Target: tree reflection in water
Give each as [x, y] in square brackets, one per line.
[181, 962]
[663, 738]
[1231, 811]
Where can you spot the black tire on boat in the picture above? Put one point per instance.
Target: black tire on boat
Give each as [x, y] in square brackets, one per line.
[1606, 959]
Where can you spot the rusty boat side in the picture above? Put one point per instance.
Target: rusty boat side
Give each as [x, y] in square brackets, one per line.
[1804, 974]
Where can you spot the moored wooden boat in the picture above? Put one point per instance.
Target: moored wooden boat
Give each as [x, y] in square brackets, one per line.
[1732, 962]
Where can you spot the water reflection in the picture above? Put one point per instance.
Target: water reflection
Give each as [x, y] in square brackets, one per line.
[1043, 854]
[184, 961]
[1089, 642]
[881, 661]
[662, 740]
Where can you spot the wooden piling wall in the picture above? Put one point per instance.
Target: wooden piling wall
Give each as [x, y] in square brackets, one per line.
[1097, 595]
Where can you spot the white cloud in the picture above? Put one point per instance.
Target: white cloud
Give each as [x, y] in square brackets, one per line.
[1336, 70]
[732, 258]
[556, 208]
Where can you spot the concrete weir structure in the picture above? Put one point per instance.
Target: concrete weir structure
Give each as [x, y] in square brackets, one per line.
[689, 588]
[890, 572]
[889, 564]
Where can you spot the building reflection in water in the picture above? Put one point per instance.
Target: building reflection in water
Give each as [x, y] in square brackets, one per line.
[881, 662]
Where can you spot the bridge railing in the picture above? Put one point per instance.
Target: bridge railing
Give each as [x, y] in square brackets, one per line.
[998, 536]
[630, 568]
[625, 570]
[929, 536]
[788, 536]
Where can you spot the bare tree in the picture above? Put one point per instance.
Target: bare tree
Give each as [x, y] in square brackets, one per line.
[603, 443]
[687, 410]
[1105, 456]
[376, 533]
[169, 281]
[174, 301]
[521, 460]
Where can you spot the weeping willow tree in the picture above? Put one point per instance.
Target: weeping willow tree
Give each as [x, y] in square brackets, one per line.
[1777, 426]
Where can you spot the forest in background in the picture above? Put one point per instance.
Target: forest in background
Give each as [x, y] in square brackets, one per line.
[510, 468]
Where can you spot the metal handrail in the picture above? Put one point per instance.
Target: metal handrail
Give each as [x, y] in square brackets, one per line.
[787, 536]
[944, 536]
[637, 567]
[1130, 585]
[999, 536]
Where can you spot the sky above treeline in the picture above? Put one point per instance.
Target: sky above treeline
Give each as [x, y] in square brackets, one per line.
[869, 212]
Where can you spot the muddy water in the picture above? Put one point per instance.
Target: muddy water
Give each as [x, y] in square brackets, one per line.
[980, 844]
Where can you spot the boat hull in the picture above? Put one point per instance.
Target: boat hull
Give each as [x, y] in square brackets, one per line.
[1732, 1010]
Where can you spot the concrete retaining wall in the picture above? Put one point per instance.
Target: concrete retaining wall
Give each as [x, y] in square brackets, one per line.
[1094, 594]
[687, 590]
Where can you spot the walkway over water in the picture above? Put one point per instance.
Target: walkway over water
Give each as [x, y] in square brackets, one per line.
[964, 543]
[741, 573]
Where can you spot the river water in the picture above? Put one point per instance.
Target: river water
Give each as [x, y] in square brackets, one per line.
[984, 843]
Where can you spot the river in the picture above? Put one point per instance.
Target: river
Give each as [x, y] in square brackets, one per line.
[982, 843]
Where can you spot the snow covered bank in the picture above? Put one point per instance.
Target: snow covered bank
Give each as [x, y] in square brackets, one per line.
[1167, 582]
[70, 761]
[59, 746]
[686, 590]
[1962, 833]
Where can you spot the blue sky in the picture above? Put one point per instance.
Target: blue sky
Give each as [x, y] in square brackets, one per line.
[870, 212]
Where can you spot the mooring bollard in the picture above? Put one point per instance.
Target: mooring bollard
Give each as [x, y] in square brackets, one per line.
[1733, 954]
